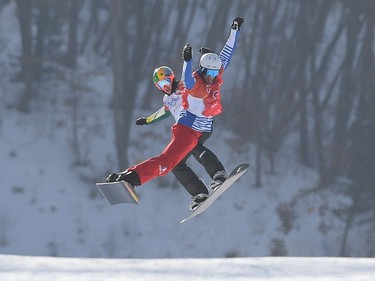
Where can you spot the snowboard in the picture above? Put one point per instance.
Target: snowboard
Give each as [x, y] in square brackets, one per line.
[233, 176]
[118, 192]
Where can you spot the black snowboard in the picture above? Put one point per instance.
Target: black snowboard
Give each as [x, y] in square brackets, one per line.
[233, 176]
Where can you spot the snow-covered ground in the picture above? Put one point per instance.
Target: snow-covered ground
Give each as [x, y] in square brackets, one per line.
[48, 207]
[17, 268]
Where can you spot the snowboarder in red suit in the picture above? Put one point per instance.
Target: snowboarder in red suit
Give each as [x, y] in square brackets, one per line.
[164, 79]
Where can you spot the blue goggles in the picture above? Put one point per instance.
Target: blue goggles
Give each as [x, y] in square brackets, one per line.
[210, 72]
[162, 83]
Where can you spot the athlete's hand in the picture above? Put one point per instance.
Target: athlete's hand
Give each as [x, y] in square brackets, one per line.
[187, 53]
[205, 50]
[236, 24]
[141, 121]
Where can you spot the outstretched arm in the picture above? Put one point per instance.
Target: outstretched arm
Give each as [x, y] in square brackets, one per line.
[159, 115]
[227, 51]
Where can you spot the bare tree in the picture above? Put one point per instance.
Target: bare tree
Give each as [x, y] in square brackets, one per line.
[71, 55]
[131, 30]
[360, 159]
[347, 94]
[24, 12]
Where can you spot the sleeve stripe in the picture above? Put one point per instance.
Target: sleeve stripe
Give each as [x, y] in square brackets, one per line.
[227, 51]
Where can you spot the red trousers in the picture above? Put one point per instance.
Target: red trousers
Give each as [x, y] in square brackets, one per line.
[184, 139]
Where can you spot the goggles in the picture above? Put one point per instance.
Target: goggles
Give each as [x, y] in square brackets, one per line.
[210, 72]
[162, 83]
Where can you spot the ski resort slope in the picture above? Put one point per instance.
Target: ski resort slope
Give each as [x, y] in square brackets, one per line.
[17, 268]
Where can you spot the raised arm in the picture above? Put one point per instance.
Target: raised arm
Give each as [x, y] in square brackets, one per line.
[187, 67]
[227, 51]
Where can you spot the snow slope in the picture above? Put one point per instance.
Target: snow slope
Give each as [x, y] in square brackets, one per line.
[18, 268]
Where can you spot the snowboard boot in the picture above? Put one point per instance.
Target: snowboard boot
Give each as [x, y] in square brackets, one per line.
[130, 177]
[218, 179]
[197, 200]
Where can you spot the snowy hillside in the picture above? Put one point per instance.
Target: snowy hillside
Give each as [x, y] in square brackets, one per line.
[50, 206]
[16, 268]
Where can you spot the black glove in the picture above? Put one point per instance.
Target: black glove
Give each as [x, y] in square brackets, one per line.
[236, 24]
[141, 121]
[187, 53]
[204, 50]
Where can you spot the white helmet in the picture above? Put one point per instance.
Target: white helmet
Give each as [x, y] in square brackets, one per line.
[210, 61]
